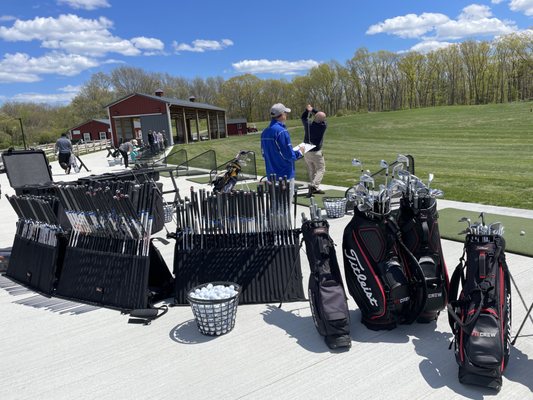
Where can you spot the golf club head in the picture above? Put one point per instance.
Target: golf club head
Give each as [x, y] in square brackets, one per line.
[430, 179]
[465, 219]
[436, 193]
[365, 178]
[402, 159]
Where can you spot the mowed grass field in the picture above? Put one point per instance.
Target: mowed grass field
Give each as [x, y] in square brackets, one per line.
[481, 154]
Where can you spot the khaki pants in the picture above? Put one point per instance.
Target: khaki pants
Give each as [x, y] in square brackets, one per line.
[316, 167]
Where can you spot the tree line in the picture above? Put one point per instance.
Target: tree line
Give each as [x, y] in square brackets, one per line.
[467, 73]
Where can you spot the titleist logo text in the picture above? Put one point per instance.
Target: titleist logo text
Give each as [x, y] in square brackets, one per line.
[361, 277]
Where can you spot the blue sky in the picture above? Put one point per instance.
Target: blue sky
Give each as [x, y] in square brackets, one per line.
[48, 48]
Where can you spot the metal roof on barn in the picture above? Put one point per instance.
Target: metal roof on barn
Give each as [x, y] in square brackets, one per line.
[171, 101]
[101, 120]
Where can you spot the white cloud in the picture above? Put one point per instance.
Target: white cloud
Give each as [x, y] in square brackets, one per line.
[274, 66]
[85, 4]
[52, 98]
[435, 30]
[475, 20]
[496, 1]
[201, 45]
[410, 25]
[65, 96]
[21, 67]
[73, 34]
[525, 6]
[7, 18]
[429, 45]
[149, 46]
[70, 89]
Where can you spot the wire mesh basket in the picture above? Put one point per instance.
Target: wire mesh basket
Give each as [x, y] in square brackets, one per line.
[335, 206]
[214, 317]
[168, 211]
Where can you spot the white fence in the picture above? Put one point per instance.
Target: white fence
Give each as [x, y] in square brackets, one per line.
[79, 148]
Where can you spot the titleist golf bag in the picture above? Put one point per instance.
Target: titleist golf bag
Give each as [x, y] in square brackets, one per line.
[480, 317]
[326, 291]
[420, 233]
[386, 291]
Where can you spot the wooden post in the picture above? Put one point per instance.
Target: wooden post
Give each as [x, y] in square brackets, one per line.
[208, 127]
[225, 126]
[198, 126]
[218, 127]
[185, 126]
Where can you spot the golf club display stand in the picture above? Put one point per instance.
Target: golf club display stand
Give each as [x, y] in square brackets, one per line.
[267, 272]
[36, 265]
[113, 280]
[245, 237]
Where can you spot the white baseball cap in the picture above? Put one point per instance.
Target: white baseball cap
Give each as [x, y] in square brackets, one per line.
[277, 109]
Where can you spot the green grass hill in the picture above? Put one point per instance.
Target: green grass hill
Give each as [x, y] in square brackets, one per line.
[481, 154]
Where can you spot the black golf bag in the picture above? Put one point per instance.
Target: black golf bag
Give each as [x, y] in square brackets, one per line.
[386, 291]
[327, 297]
[480, 317]
[420, 233]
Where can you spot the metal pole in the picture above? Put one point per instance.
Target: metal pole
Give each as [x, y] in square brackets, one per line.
[22, 130]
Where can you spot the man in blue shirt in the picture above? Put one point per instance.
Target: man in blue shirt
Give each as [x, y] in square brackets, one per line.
[276, 146]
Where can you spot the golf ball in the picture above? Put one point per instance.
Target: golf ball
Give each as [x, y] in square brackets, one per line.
[522, 233]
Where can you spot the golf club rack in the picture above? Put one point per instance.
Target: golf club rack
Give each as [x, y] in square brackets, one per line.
[245, 237]
[393, 260]
[89, 240]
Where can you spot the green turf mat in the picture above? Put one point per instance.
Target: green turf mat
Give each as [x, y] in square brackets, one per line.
[305, 201]
[515, 243]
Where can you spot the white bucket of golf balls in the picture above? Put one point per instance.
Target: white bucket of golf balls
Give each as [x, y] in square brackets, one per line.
[214, 306]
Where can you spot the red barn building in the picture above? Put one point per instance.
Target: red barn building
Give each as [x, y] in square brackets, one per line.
[95, 129]
[238, 126]
[180, 121]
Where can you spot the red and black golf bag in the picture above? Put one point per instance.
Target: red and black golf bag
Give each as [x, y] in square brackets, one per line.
[420, 233]
[386, 291]
[480, 317]
[327, 297]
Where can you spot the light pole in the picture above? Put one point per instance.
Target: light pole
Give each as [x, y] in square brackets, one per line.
[22, 130]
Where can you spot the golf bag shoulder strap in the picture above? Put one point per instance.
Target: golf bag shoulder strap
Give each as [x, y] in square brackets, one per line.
[419, 281]
[457, 279]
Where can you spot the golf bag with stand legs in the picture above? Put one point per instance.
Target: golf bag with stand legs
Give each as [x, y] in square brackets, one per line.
[480, 316]
[226, 182]
[420, 233]
[386, 291]
[327, 297]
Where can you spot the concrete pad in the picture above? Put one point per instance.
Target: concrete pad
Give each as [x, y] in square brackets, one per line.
[53, 349]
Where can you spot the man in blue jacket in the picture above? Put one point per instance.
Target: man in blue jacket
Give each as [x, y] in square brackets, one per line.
[276, 146]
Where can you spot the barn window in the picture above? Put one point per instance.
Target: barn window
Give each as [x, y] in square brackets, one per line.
[103, 135]
[86, 137]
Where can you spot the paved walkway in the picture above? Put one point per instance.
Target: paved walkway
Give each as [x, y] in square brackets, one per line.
[52, 349]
